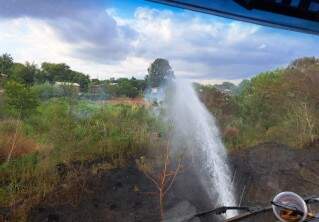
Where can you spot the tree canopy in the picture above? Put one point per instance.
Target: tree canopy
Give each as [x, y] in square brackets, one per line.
[280, 105]
[29, 74]
[6, 61]
[61, 72]
[20, 101]
[125, 87]
[159, 72]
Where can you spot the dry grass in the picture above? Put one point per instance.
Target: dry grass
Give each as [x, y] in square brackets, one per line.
[56, 136]
[128, 101]
[13, 141]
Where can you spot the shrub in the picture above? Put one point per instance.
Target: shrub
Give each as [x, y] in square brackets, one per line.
[47, 91]
[20, 101]
[119, 133]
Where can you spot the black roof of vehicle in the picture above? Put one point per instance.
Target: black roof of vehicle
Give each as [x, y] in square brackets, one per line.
[297, 15]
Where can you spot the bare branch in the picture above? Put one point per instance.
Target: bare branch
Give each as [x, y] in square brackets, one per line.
[152, 179]
[14, 141]
[175, 174]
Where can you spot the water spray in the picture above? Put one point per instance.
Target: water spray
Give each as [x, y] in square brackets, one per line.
[195, 128]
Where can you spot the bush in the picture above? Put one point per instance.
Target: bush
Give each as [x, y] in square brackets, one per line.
[20, 101]
[47, 91]
[280, 106]
[91, 130]
[119, 133]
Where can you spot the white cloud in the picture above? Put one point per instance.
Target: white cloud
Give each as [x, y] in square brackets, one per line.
[214, 48]
[238, 32]
[198, 47]
[205, 48]
[262, 46]
[32, 40]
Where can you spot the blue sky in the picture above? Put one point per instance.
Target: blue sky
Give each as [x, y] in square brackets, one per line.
[128, 7]
[120, 38]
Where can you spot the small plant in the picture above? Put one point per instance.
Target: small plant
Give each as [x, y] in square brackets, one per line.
[20, 100]
[162, 176]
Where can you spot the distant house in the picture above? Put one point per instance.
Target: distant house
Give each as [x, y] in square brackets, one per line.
[96, 89]
[227, 92]
[97, 92]
[68, 86]
[226, 88]
[155, 94]
[3, 76]
[154, 90]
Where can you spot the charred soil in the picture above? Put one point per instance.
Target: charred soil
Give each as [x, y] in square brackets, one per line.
[125, 194]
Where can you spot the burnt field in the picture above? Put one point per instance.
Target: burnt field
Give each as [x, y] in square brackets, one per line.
[127, 195]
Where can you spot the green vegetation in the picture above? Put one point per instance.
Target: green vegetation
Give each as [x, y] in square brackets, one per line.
[46, 127]
[20, 101]
[159, 72]
[124, 87]
[61, 134]
[50, 73]
[6, 62]
[281, 105]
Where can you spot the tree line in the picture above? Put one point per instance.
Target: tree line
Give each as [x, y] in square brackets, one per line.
[29, 74]
[26, 85]
[280, 105]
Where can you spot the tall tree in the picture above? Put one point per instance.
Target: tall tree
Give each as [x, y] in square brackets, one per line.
[31, 73]
[17, 71]
[62, 73]
[6, 61]
[25, 74]
[159, 72]
[56, 72]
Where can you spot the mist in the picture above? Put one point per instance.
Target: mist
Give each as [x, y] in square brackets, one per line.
[195, 134]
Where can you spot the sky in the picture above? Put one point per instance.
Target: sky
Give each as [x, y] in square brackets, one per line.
[120, 38]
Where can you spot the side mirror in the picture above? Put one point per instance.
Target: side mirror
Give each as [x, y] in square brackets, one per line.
[289, 207]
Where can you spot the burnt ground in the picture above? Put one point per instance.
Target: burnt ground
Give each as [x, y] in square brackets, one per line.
[113, 195]
[124, 195]
[264, 170]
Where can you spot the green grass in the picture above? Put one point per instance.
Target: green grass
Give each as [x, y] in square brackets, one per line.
[79, 131]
